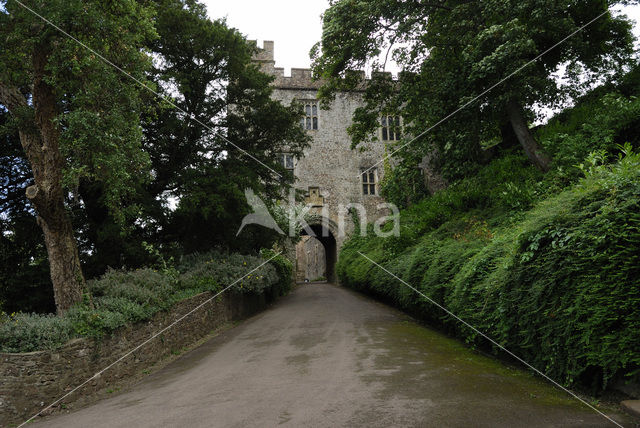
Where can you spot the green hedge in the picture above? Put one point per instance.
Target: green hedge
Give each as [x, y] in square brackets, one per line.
[121, 298]
[284, 269]
[559, 285]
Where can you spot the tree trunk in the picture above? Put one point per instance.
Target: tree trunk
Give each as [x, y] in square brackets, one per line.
[64, 261]
[534, 152]
[41, 146]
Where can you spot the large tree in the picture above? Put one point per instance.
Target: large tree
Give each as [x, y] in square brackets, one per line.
[207, 69]
[455, 50]
[77, 116]
[220, 133]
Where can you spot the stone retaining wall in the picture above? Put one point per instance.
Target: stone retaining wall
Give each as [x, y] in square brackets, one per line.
[33, 380]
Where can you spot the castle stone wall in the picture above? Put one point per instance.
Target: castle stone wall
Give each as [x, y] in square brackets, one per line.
[31, 381]
[329, 163]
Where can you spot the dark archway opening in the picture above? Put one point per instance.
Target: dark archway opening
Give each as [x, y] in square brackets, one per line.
[328, 241]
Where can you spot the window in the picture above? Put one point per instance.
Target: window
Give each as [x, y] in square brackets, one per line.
[369, 181]
[286, 160]
[390, 126]
[310, 119]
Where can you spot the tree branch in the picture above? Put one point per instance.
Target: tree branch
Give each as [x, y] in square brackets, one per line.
[30, 139]
[12, 98]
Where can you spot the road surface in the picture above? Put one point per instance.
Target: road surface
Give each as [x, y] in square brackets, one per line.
[326, 356]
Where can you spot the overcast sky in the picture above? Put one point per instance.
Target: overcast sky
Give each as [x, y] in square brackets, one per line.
[294, 25]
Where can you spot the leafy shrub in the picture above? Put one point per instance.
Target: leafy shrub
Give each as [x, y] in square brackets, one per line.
[403, 185]
[557, 285]
[507, 185]
[31, 332]
[284, 269]
[124, 297]
[600, 124]
[215, 271]
[90, 322]
[131, 311]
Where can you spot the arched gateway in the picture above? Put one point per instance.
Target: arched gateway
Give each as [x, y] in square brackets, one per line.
[317, 253]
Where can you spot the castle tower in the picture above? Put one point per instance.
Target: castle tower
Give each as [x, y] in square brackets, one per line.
[330, 172]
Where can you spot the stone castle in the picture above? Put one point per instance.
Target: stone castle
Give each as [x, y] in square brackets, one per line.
[331, 174]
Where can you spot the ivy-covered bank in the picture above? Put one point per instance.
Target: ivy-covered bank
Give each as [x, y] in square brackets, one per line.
[122, 298]
[557, 283]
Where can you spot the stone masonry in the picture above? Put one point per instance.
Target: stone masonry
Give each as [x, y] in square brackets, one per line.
[33, 380]
[330, 171]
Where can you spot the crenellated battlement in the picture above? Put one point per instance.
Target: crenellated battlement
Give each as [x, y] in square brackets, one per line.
[266, 52]
[301, 78]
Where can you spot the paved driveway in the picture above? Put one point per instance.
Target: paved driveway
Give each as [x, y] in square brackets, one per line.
[325, 356]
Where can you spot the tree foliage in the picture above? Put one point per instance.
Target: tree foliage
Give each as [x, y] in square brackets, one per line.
[125, 167]
[97, 106]
[452, 52]
[77, 117]
[206, 69]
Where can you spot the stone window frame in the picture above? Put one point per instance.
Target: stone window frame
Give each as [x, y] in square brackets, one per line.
[310, 109]
[282, 160]
[369, 181]
[391, 132]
